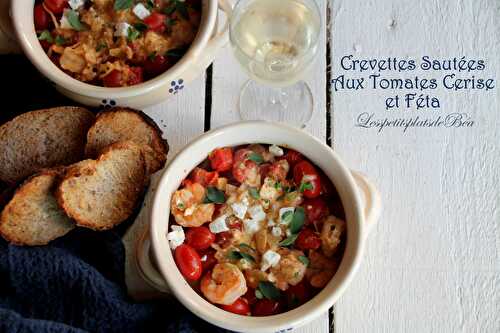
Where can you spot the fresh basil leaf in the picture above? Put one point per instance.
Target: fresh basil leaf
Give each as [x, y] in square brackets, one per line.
[60, 40]
[150, 4]
[141, 26]
[299, 217]
[304, 260]
[101, 47]
[257, 158]
[214, 195]
[175, 53]
[45, 35]
[123, 4]
[169, 9]
[234, 255]
[246, 256]
[287, 217]
[132, 34]
[74, 20]
[269, 291]
[246, 246]
[289, 240]
[277, 185]
[254, 193]
[182, 9]
[305, 186]
[258, 294]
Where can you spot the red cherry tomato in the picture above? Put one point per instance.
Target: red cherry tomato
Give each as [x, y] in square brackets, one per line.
[327, 187]
[240, 306]
[41, 18]
[113, 79]
[293, 157]
[56, 6]
[250, 296]
[224, 238]
[156, 65]
[264, 170]
[298, 294]
[156, 22]
[305, 172]
[308, 240]
[199, 238]
[208, 260]
[46, 45]
[316, 209]
[241, 155]
[266, 307]
[203, 177]
[221, 159]
[188, 261]
[135, 76]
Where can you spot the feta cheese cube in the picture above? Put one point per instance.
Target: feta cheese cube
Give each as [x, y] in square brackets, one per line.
[76, 4]
[276, 151]
[284, 215]
[269, 259]
[240, 209]
[257, 213]
[271, 223]
[176, 237]
[219, 225]
[64, 20]
[121, 29]
[276, 231]
[141, 11]
[251, 226]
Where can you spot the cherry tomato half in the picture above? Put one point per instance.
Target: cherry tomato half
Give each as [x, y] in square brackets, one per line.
[208, 260]
[199, 238]
[203, 177]
[304, 172]
[298, 294]
[316, 209]
[308, 240]
[250, 296]
[113, 79]
[135, 76]
[55, 6]
[41, 18]
[188, 261]
[240, 306]
[266, 307]
[221, 159]
[156, 22]
[293, 157]
[156, 65]
[279, 170]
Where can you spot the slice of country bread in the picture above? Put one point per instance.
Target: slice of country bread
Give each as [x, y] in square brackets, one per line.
[122, 124]
[99, 194]
[32, 216]
[42, 139]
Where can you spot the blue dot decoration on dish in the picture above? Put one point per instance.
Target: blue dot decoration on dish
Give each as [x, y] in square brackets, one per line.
[285, 330]
[176, 86]
[108, 103]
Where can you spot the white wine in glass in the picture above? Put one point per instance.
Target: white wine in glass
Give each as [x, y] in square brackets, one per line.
[276, 42]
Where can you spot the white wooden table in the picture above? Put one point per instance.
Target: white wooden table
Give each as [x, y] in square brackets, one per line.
[433, 262]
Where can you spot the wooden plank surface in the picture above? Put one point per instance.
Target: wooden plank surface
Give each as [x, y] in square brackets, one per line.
[433, 262]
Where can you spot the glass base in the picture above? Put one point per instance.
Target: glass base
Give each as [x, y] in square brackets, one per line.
[292, 105]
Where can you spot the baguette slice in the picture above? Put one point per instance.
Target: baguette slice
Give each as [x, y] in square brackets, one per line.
[99, 194]
[32, 216]
[42, 139]
[125, 124]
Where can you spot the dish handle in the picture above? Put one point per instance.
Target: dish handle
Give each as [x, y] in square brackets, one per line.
[371, 199]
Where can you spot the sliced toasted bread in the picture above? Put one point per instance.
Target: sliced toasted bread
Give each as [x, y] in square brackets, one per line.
[122, 124]
[99, 194]
[32, 216]
[42, 139]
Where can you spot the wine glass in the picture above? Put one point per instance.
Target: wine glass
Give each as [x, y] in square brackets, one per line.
[276, 41]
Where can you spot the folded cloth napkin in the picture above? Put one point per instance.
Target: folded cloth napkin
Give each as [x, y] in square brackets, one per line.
[76, 284]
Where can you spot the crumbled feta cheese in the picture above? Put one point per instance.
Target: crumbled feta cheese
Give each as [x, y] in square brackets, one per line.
[240, 209]
[276, 151]
[121, 29]
[64, 20]
[251, 226]
[269, 191]
[283, 211]
[270, 223]
[76, 4]
[219, 225]
[257, 213]
[204, 258]
[176, 237]
[276, 231]
[269, 259]
[189, 211]
[141, 11]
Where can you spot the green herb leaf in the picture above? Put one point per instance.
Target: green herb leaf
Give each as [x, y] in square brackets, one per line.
[170, 21]
[60, 40]
[246, 246]
[150, 4]
[74, 20]
[298, 220]
[169, 9]
[236, 255]
[258, 294]
[247, 256]
[182, 9]
[269, 291]
[255, 157]
[141, 26]
[101, 47]
[175, 53]
[305, 186]
[277, 185]
[287, 217]
[45, 35]
[304, 260]
[254, 193]
[214, 195]
[289, 240]
[123, 4]
[132, 34]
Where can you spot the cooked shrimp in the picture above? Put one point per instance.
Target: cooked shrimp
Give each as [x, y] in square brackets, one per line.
[224, 285]
[332, 231]
[320, 270]
[290, 269]
[188, 207]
